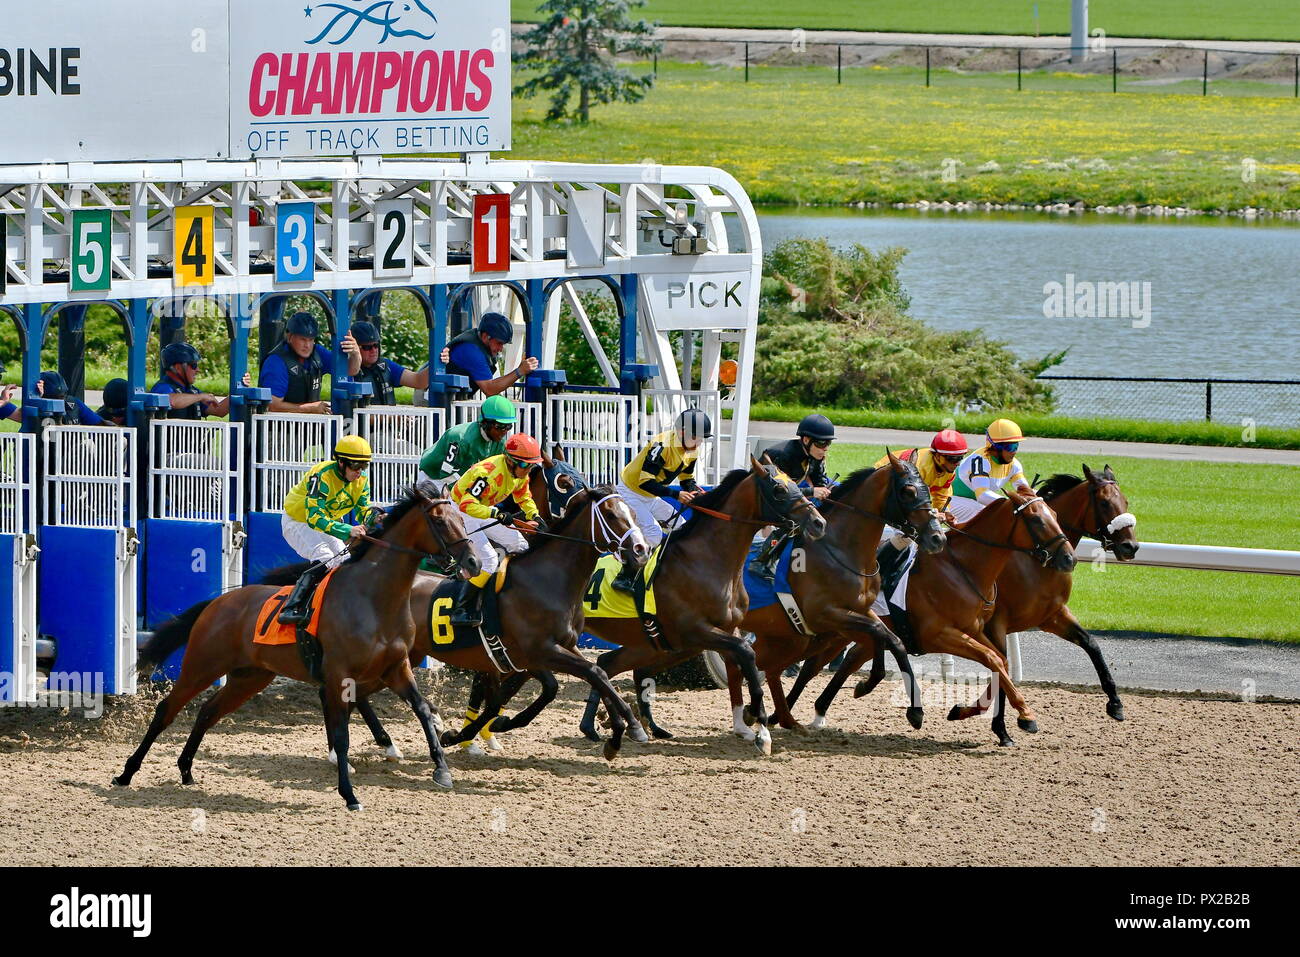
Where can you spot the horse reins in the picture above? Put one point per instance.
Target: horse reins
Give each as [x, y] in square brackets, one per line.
[1040, 550]
[1104, 533]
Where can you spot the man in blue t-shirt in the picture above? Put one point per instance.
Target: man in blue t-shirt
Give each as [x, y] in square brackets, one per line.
[52, 386]
[384, 375]
[474, 354]
[293, 371]
[180, 362]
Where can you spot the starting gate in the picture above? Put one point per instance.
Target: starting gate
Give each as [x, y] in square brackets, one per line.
[88, 543]
[529, 415]
[398, 436]
[599, 431]
[17, 538]
[659, 411]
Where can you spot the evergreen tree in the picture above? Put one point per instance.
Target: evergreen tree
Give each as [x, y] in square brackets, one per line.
[574, 50]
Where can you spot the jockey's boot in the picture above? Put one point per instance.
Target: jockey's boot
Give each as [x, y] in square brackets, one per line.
[764, 563]
[297, 609]
[468, 610]
[626, 579]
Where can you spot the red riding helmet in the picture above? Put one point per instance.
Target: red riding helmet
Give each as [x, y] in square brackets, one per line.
[523, 448]
[949, 442]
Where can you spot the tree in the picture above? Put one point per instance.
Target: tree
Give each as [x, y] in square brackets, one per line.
[574, 49]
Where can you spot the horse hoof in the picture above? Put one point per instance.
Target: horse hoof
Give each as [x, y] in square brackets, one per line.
[661, 734]
[955, 714]
[499, 725]
[637, 734]
[763, 741]
[800, 730]
[748, 715]
[393, 753]
[915, 717]
[121, 781]
[610, 752]
[446, 739]
[494, 745]
[772, 720]
[473, 747]
[442, 778]
[818, 722]
[187, 777]
[1115, 709]
[1006, 742]
[1028, 724]
[860, 689]
[356, 806]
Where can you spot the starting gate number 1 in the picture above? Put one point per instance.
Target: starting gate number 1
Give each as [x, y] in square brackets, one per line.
[394, 239]
[193, 246]
[92, 264]
[491, 247]
[295, 242]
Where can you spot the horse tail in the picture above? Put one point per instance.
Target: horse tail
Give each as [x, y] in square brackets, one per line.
[170, 635]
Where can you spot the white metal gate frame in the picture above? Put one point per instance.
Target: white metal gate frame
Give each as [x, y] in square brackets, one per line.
[659, 411]
[529, 414]
[18, 518]
[285, 446]
[600, 432]
[398, 436]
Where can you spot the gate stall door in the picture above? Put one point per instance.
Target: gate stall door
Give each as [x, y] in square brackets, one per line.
[398, 436]
[600, 432]
[194, 532]
[88, 553]
[659, 411]
[285, 445]
[528, 415]
[18, 540]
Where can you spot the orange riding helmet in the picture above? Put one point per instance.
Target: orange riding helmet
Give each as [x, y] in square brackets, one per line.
[523, 449]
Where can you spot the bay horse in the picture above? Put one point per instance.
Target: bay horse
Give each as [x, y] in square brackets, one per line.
[1031, 596]
[834, 585]
[699, 591]
[951, 595]
[366, 632]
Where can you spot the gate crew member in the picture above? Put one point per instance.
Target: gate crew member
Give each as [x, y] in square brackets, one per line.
[51, 386]
[293, 371]
[384, 375]
[984, 473]
[477, 494]
[314, 510]
[117, 395]
[469, 443]
[474, 354]
[803, 458]
[668, 457]
[180, 362]
[938, 467]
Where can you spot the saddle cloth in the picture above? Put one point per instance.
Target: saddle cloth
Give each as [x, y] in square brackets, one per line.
[601, 600]
[455, 638]
[269, 631]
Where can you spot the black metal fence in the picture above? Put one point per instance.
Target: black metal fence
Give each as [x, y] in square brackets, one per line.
[1239, 402]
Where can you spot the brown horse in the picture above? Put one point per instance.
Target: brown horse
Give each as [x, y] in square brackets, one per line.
[699, 592]
[366, 634]
[1031, 596]
[950, 597]
[832, 585]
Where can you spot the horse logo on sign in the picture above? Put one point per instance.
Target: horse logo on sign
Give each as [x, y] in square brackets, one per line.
[397, 18]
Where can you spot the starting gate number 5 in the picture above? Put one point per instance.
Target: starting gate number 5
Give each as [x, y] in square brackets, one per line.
[295, 242]
[92, 269]
[491, 233]
[394, 239]
[193, 246]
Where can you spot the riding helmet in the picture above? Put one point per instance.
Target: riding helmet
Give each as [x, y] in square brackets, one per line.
[497, 327]
[353, 448]
[949, 442]
[497, 408]
[816, 426]
[302, 324]
[181, 352]
[523, 448]
[1004, 430]
[695, 423]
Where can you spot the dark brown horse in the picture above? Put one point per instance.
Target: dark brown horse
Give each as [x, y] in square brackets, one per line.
[366, 633]
[950, 596]
[1031, 596]
[700, 596]
[834, 584]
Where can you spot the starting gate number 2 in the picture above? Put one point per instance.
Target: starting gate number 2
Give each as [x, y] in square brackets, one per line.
[394, 239]
[193, 246]
[295, 242]
[92, 265]
[491, 248]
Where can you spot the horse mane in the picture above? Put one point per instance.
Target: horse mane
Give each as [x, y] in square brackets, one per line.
[594, 494]
[710, 499]
[410, 499]
[1058, 484]
[846, 488]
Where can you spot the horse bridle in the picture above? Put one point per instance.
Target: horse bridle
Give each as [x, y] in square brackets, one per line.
[426, 510]
[903, 523]
[1105, 533]
[1042, 551]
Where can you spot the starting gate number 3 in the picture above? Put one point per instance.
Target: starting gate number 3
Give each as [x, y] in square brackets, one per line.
[92, 265]
[491, 246]
[295, 242]
[394, 239]
[193, 246]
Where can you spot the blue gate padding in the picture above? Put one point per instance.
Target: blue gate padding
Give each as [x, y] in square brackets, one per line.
[9, 676]
[182, 566]
[77, 581]
[266, 546]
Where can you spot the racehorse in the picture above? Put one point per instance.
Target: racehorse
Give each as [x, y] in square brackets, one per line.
[699, 593]
[833, 588]
[365, 632]
[1031, 596]
[950, 597]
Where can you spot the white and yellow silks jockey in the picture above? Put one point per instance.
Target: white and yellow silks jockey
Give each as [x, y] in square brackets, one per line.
[477, 494]
[668, 457]
[314, 510]
[985, 472]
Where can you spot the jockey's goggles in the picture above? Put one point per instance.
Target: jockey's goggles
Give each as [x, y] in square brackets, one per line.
[354, 464]
[493, 424]
[822, 443]
[520, 463]
[1011, 447]
[951, 458]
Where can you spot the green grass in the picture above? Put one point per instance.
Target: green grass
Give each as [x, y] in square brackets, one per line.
[1225, 504]
[1048, 426]
[1193, 19]
[793, 137]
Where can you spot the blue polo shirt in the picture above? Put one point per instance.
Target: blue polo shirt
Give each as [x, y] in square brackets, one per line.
[275, 374]
[165, 386]
[469, 357]
[84, 414]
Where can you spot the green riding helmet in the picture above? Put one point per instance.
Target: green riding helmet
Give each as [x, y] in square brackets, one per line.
[497, 408]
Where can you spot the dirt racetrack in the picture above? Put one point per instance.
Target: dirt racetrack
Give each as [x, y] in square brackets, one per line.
[1183, 781]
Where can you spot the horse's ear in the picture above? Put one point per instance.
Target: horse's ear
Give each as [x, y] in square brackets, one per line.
[755, 465]
[557, 453]
[767, 459]
[894, 463]
[1108, 473]
[1087, 472]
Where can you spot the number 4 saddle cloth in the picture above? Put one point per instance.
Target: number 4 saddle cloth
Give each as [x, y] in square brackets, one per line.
[602, 600]
[488, 635]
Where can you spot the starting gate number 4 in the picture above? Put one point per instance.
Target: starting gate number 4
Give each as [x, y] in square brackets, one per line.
[491, 252]
[193, 246]
[395, 239]
[295, 242]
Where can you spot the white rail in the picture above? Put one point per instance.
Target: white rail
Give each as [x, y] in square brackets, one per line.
[1260, 561]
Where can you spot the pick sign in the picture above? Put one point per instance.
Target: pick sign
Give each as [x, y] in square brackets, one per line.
[491, 247]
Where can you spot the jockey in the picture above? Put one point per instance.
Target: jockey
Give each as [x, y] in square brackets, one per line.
[668, 457]
[477, 494]
[803, 458]
[984, 473]
[314, 510]
[465, 445]
[938, 467]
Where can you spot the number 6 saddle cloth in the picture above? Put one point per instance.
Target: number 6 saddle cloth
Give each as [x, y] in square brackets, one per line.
[445, 636]
[602, 600]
